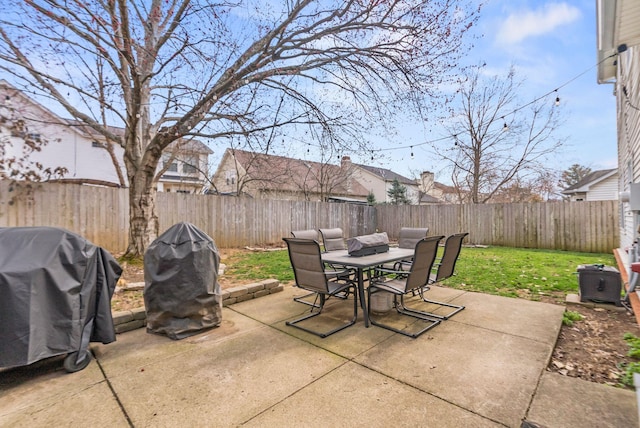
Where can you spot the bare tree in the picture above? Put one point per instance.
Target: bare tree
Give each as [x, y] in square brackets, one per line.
[497, 141]
[180, 68]
[573, 175]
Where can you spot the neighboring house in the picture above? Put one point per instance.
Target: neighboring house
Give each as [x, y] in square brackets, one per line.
[83, 153]
[597, 186]
[263, 176]
[433, 192]
[379, 180]
[67, 145]
[618, 27]
[184, 167]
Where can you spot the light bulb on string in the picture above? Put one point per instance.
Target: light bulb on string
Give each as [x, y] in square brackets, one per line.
[505, 127]
[411, 152]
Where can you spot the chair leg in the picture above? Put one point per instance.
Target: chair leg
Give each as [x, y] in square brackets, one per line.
[456, 308]
[402, 309]
[313, 314]
[300, 299]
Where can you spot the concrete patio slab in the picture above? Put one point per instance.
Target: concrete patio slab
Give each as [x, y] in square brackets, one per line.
[353, 395]
[221, 385]
[472, 367]
[44, 395]
[483, 367]
[563, 401]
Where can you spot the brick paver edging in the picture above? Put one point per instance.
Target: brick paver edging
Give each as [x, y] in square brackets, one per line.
[137, 318]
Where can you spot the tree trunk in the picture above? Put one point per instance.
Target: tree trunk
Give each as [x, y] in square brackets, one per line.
[143, 225]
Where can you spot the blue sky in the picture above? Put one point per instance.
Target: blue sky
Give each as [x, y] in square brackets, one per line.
[551, 44]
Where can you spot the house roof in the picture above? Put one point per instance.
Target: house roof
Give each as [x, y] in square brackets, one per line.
[387, 174]
[195, 146]
[287, 174]
[428, 199]
[589, 180]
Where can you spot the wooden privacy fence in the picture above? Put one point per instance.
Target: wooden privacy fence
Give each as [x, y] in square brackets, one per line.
[101, 216]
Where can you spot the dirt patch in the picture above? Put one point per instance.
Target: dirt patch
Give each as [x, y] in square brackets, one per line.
[592, 349]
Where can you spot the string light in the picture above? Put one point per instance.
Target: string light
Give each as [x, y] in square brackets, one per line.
[505, 126]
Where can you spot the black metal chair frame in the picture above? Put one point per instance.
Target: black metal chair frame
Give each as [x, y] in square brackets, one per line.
[312, 277]
[445, 268]
[416, 278]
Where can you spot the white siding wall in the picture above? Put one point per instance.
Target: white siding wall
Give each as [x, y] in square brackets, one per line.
[606, 190]
[628, 80]
[64, 148]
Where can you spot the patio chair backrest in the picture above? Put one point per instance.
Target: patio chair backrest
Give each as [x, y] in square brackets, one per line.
[452, 247]
[423, 259]
[305, 234]
[307, 265]
[333, 239]
[409, 236]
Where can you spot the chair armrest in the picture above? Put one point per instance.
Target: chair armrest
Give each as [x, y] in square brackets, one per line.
[339, 273]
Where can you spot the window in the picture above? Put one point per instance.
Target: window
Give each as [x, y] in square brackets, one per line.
[34, 137]
[96, 144]
[172, 167]
[230, 177]
[190, 165]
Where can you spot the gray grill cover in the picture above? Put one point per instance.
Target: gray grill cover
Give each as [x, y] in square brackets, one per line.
[55, 294]
[181, 292]
[368, 244]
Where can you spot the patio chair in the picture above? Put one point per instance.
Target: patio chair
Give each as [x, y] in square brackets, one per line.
[408, 238]
[418, 277]
[306, 234]
[312, 235]
[310, 274]
[444, 268]
[333, 239]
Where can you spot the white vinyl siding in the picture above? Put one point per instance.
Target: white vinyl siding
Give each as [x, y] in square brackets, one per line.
[606, 190]
[628, 102]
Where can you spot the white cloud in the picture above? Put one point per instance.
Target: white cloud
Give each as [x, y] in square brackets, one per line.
[519, 26]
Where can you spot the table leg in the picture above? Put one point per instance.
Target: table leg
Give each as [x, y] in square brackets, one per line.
[363, 302]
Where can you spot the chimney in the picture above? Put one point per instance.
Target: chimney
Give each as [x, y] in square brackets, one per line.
[345, 162]
[426, 181]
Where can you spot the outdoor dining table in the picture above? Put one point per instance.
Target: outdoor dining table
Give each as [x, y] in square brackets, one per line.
[362, 263]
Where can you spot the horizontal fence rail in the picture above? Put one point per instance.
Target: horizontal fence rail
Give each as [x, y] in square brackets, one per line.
[102, 216]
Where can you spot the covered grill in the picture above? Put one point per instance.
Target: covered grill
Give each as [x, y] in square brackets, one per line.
[181, 294]
[56, 290]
